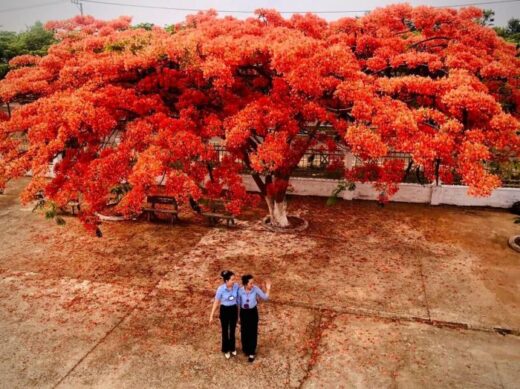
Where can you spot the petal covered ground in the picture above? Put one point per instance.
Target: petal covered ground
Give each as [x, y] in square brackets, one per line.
[404, 296]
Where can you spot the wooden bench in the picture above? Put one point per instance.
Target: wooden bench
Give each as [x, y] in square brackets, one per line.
[74, 205]
[218, 212]
[213, 218]
[151, 210]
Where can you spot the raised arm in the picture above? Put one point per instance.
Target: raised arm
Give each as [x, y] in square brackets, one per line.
[265, 295]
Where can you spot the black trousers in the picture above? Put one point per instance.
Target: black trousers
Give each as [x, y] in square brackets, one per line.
[228, 321]
[249, 330]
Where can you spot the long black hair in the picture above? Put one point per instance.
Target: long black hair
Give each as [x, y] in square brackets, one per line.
[226, 275]
[246, 278]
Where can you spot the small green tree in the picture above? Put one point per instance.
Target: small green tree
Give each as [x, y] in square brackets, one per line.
[511, 32]
[144, 26]
[488, 17]
[35, 40]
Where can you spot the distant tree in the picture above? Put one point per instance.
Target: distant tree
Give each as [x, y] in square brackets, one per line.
[34, 41]
[144, 26]
[513, 26]
[488, 18]
[6, 51]
[511, 32]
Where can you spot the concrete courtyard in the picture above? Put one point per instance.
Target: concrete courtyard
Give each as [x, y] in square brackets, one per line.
[404, 296]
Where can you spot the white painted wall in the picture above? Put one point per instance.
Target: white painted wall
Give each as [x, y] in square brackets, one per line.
[409, 193]
[457, 195]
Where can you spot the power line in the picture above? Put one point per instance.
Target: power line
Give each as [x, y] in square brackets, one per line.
[165, 7]
[481, 3]
[79, 3]
[30, 6]
[282, 12]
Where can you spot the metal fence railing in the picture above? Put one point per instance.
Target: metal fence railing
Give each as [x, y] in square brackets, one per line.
[314, 163]
[320, 163]
[414, 175]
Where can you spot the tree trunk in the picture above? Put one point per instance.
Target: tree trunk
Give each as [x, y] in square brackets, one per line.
[277, 211]
[276, 202]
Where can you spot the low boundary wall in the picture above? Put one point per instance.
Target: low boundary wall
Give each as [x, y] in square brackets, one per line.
[409, 193]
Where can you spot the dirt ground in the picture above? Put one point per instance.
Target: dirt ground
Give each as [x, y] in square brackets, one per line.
[404, 296]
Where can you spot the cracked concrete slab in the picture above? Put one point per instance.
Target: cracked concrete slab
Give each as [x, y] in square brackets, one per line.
[360, 352]
[67, 299]
[160, 345]
[47, 325]
[475, 280]
[309, 270]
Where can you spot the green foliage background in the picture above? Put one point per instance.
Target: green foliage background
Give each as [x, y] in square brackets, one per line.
[511, 32]
[35, 40]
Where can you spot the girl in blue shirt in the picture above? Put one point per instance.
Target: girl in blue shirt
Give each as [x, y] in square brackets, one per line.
[248, 298]
[226, 297]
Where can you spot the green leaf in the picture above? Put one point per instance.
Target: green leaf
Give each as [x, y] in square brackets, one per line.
[59, 220]
[332, 200]
[342, 185]
[39, 205]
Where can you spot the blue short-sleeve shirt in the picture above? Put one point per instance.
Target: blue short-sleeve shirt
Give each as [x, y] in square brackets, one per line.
[248, 300]
[227, 297]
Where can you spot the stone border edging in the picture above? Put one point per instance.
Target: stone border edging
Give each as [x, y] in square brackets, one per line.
[106, 218]
[513, 243]
[282, 230]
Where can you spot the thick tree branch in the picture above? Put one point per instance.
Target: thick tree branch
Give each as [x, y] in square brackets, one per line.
[341, 111]
[431, 125]
[407, 171]
[437, 167]
[403, 32]
[256, 177]
[210, 171]
[430, 39]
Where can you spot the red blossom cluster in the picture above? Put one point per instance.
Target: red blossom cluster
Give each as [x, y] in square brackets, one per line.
[112, 104]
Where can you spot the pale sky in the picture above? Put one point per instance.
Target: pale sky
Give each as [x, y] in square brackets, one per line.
[16, 15]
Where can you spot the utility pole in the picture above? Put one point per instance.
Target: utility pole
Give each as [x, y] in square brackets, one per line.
[79, 4]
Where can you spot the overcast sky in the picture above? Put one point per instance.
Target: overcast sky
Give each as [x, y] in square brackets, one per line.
[16, 15]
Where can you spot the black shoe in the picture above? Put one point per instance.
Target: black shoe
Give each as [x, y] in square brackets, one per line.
[251, 358]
